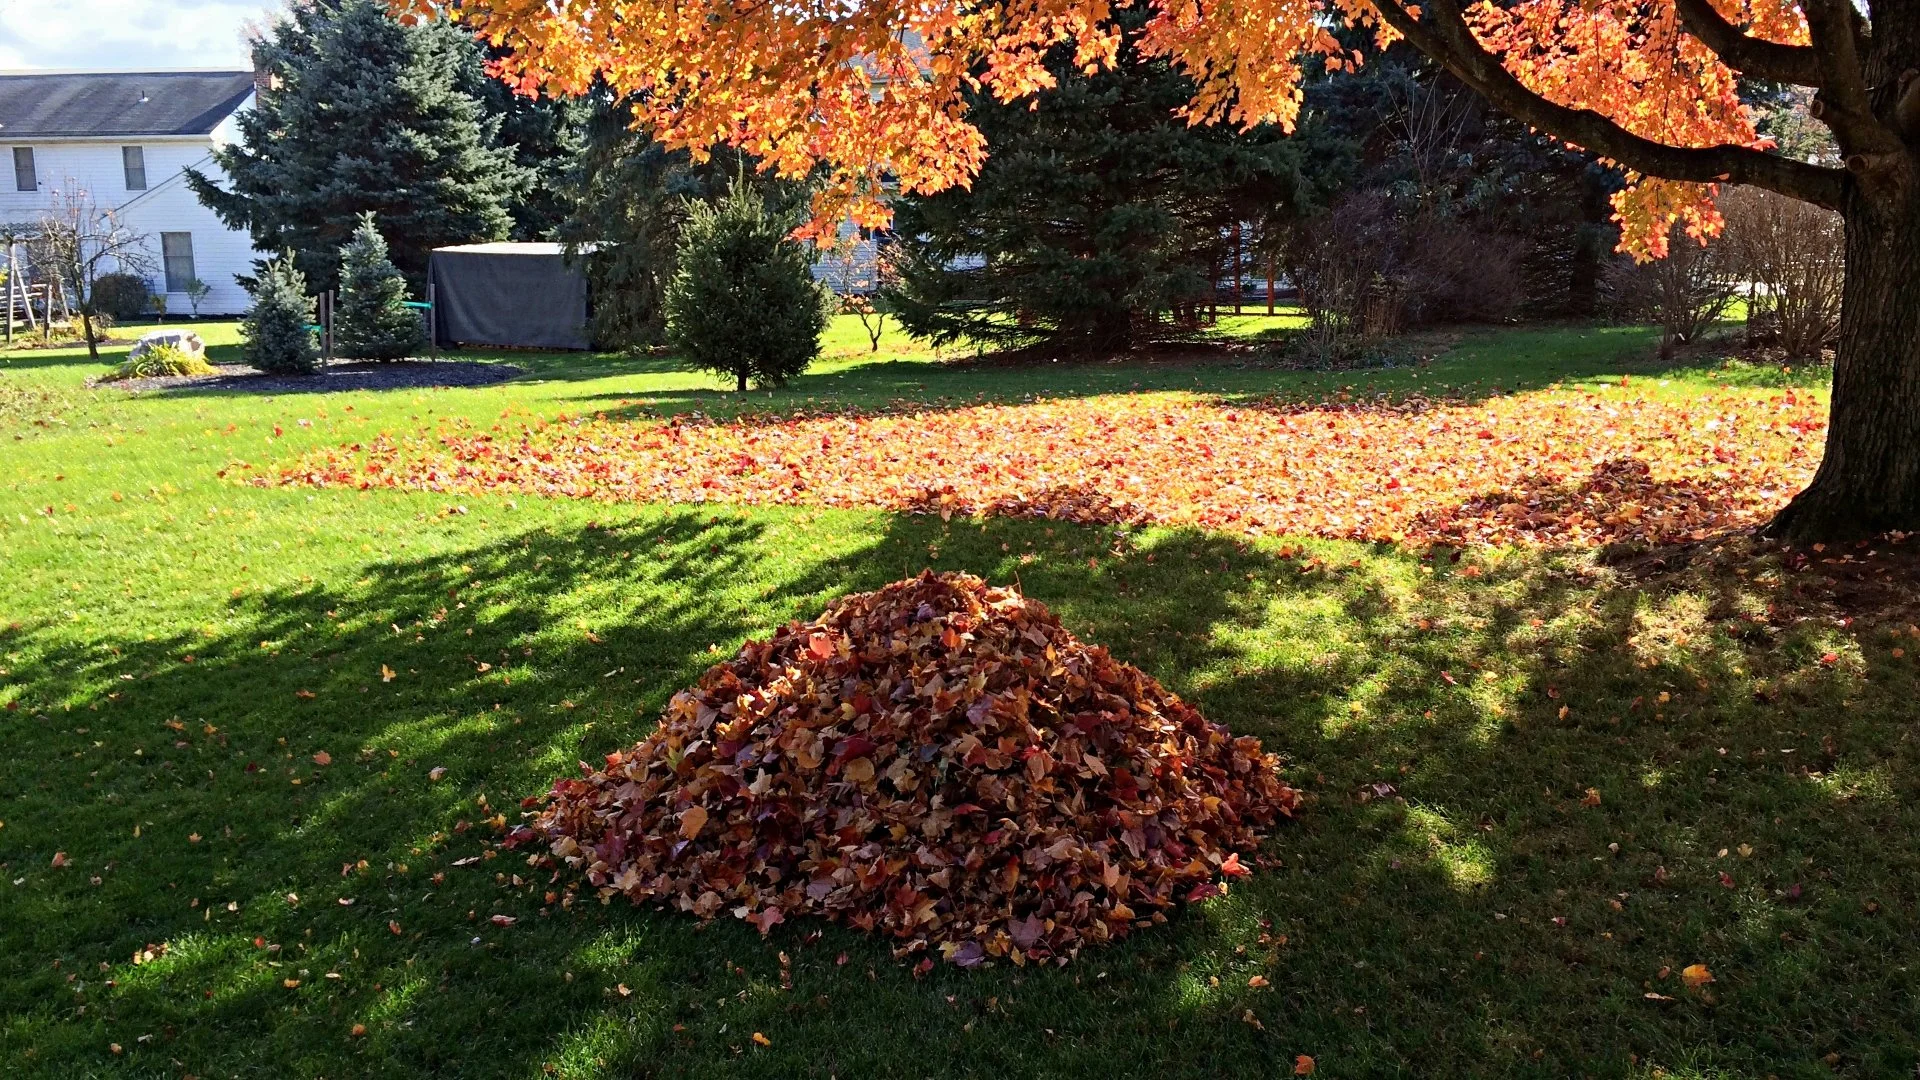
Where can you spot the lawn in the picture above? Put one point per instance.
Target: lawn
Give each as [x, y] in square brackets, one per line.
[1542, 785]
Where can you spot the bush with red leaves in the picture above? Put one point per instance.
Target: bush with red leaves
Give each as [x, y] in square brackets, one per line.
[940, 761]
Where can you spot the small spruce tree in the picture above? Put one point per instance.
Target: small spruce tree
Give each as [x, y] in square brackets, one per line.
[743, 301]
[276, 328]
[372, 321]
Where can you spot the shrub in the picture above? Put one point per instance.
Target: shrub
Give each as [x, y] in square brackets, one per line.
[1686, 292]
[1365, 272]
[121, 295]
[157, 362]
[742, 300]
[372, 321]
[276, 328]
[1793, 255]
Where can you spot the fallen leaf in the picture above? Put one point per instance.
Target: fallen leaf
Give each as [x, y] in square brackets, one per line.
[59, 858]
[1696, 976]
[323, 758]
[1303, 1065]
[762, 1039]
[692, 821]
[386, 673]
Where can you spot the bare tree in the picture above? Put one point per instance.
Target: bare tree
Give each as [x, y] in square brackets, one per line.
[860, 283]
[1793, 255]
[77, 242]
[1686, 292]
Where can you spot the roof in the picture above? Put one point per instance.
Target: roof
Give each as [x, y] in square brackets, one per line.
[504, 247]
[79, 104]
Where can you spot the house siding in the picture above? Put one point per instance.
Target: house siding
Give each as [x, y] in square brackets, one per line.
[167, 204]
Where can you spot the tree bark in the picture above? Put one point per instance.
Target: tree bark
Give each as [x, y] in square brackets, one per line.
[742, 373]
[86, 331]
[1869, 480]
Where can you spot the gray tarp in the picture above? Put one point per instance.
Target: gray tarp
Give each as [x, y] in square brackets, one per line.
[508, 294]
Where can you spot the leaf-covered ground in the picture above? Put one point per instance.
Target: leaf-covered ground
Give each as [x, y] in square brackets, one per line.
[1549, 466]
[259, 742]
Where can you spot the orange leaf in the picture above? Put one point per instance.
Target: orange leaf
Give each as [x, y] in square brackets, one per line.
[1303, 1065]
[694, 820]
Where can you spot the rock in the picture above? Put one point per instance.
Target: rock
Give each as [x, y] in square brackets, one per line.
[185, 340]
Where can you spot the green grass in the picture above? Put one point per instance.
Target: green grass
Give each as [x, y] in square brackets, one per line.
[158, 624]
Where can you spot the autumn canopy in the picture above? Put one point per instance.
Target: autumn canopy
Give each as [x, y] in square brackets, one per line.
[874, 91]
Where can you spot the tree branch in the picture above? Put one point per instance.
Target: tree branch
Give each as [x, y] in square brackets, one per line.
[1795, 64]
[1445, 36]
[1842, 103]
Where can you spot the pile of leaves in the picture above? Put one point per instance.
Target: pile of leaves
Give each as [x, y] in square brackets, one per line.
[1533, 468]
[939, 761]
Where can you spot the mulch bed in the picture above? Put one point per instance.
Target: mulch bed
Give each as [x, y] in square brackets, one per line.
[369, 375]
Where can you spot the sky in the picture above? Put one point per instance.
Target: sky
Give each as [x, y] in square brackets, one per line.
[127, 34]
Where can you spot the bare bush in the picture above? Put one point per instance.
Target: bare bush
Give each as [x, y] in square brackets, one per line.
[1793, 256]
[1686, 292]
[1367, 272]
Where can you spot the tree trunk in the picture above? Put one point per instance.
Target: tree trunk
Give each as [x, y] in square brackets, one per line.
[86, 331]
[1869, 480]
[742, 373]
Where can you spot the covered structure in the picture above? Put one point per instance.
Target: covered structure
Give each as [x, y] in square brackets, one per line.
[508, 294]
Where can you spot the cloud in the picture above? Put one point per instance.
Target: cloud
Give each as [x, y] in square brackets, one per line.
[128, 34]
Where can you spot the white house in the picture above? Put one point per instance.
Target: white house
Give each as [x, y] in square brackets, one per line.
[126, 138]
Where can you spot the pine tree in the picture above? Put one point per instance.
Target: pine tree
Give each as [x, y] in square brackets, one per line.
[276, 330]
[1098, 215]
[743, 301]
[372, 321]
[362, 114]
[628, 195]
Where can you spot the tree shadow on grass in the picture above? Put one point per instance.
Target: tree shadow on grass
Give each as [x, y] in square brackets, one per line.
[1409, 928]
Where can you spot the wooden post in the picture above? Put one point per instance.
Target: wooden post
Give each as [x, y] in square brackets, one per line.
[326, 328]
[1239, 265]
[13, 282]
[433, 322]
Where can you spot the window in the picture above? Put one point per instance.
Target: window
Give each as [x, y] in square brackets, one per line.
[134, 159]
[23, 175]
[176, 251]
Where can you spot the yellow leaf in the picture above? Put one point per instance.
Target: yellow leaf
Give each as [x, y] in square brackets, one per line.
[386, 673]
[1696, 975]
[762, 1039]
[860, 770]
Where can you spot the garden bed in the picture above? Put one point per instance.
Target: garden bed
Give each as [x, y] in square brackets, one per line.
[357, 375]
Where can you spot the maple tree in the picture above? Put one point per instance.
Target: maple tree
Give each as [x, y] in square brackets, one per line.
[940, 761]
[872, 94]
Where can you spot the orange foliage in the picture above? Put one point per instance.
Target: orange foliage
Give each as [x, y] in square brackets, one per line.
[1553, 468]
[873, 89]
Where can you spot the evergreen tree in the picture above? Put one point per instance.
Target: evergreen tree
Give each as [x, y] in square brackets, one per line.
[275, 330]
[743, 301]
[1099, 212]
[362, 114]
[545, 135]
[629, 195]
[372, 321]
